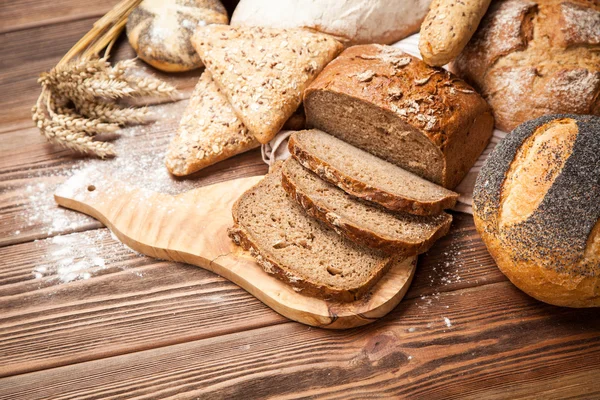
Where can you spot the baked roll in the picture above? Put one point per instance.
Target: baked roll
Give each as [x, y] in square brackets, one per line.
[160, 31]
[537, 207]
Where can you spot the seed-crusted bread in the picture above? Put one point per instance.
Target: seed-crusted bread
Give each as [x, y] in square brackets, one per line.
[209, 131]
[263, 71]
[364, 175]
[362, 222]
[393, 105]
[299, 250]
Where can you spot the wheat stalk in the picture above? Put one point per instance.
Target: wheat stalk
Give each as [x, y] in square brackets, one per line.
[75, 103]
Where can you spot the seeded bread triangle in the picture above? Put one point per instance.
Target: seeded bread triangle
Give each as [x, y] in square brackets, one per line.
[209, 131]
[299, 250]
[263, 71]
[368, 177]
[360, 221]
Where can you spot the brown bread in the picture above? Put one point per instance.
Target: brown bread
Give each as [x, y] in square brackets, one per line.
[362, 222]
[299, 250]
[363, 175]
[395, 106]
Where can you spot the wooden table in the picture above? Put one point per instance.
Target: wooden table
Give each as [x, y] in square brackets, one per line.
[124, 325]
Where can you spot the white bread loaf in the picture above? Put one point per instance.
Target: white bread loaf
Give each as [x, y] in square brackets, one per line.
[537, 207]
[358, 21]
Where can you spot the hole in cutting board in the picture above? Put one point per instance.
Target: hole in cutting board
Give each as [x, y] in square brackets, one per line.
[91, 188]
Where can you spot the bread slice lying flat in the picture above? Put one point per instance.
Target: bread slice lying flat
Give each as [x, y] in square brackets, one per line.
[362, 222]
[299, 250]
[364, 175]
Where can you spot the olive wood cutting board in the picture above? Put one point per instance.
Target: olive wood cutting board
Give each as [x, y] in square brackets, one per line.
[192, 228]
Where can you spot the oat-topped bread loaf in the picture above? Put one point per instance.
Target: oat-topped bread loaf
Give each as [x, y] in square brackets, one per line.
[299, 250]
[362, 222]
[395, 106]
[366, 176]
[535, 57]
[209, 131]
[160, 31]
[537, 208]
[263, 71]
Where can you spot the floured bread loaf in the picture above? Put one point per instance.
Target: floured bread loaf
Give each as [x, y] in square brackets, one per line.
[363, 175]
[355, 21]
[160, 31]
[263, 71]
[537, 207]
[360, 221]
[209, 131]
[395, 106]
[297, 249]
[535, 57]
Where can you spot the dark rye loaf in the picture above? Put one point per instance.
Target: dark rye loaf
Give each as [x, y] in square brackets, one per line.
[299, 250]
[421, 118]
[363, 175]
[362, 222]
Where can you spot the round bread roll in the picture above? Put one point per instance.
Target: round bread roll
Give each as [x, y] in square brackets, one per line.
[355, 21]
[537, 207]
[160, 31]
[535, 57]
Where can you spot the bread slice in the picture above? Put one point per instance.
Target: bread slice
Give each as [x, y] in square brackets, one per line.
[263, 71]
[299, 250]
[364, 175]
[362, 222]
[209, 131]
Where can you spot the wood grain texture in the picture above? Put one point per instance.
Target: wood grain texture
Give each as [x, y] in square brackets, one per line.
[192, 228]
[133, 302]
[521, 347]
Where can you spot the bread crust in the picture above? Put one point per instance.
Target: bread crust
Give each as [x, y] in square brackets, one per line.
[358, 234]
[551, 252]
[355, 21]
[160, 30]
[531, 58]
[447, 29]
[364, 191]
[446, 111]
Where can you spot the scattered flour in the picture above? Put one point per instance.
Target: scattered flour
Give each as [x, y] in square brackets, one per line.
[74, 257]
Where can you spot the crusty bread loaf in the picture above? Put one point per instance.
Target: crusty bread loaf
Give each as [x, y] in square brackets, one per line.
[447, 28]
[209, 131]
[299, 250]
[398, 108]
[356, 21]
[362, 222]
[263, 71]
[537, 208]
[160, 31]
[366, 176]
[535, 57]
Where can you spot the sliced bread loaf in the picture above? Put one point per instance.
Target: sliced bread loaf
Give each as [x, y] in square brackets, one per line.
[364, 175]
[299, 250]
[396, 107]
[362, 222]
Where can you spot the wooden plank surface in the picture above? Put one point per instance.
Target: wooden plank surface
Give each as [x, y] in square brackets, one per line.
[422, 350]
[83, 316]
[46, 321]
